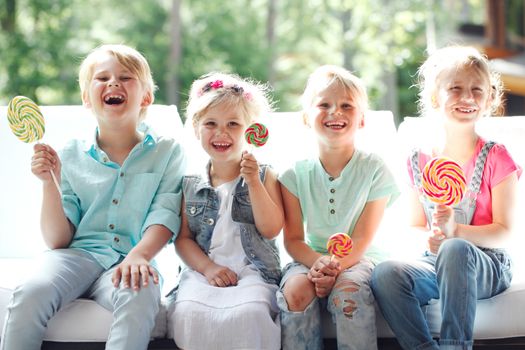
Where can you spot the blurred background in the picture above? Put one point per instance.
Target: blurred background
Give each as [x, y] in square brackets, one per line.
[42, 43]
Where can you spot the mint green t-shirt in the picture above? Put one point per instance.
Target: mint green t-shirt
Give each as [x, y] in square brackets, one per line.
[330, 205]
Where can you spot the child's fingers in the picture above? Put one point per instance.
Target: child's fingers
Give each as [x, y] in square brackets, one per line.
[135, 277]
[144, 275]
[126, 275]
[116, 278]
[154, 274]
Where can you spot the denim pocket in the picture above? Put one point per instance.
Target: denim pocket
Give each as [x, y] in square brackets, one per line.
[242, 208]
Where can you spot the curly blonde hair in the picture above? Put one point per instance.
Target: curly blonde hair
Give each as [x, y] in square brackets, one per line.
[456, 57]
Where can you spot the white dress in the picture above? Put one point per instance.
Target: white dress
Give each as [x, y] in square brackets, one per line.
[244, 316]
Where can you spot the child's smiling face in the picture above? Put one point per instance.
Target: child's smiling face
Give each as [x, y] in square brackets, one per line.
[463, 94]
[114, 92]
[335, 116]
[221, 132]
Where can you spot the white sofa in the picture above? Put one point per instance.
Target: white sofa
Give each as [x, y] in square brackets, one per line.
[500, 321]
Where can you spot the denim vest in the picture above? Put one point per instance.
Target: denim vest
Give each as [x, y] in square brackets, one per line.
[464, 210]
[202, 209]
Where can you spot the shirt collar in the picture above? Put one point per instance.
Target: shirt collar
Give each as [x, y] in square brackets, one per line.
[204, 179]
[150, 139]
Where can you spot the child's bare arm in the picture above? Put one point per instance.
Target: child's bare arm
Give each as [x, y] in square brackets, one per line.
[265, 198]
[193, 256]
[56, 228]
[364, 231]
[294, 231]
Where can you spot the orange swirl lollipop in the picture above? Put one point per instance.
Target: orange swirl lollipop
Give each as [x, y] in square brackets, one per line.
[256, 134]
[339, 245]
[443, 181]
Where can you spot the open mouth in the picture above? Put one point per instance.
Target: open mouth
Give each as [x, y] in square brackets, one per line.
[465, 110]
[336, 125]
[114, 99]
[221, 146]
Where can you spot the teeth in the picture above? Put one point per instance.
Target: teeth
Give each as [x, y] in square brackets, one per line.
[113, 98]
[335, 124]
[220, 144]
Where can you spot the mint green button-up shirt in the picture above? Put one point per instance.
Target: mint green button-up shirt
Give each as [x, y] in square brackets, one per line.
[330, 205]
[111, 205]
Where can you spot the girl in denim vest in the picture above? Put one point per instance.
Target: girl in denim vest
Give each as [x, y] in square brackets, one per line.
[343, 189]
[232, 213]
[464, 262]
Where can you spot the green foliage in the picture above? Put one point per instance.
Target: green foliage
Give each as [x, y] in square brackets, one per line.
[41, 52]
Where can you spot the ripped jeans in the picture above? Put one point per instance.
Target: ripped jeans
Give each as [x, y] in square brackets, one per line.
[351, 304]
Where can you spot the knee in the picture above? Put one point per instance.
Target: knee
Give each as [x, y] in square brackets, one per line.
[454, 252]
[146, 298]
[34, 295]
[387, 275]
[298, 292]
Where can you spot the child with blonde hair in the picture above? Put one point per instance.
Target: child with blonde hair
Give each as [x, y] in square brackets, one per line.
[120, 205]
[231, 215]
[465, 261]
[345, 190]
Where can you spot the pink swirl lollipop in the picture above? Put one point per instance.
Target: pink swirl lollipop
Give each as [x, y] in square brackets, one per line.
[443, 181]
[256, 134]
[339, 245]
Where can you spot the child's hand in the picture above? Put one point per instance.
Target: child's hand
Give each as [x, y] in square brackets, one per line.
[249, 168]
[443, 219]
[434, 241]
[220, 276]
[134, 272]
[323, 274]
[44, 160]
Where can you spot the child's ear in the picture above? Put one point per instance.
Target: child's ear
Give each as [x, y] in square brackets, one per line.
[85, 99]
[147, 99]
[306, 120]
[362, 121]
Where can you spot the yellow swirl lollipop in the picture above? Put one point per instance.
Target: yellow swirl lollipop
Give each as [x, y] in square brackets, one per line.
[27, 123]
[25, 119]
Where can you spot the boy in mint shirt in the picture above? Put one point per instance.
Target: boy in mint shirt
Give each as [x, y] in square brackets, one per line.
[120, 206]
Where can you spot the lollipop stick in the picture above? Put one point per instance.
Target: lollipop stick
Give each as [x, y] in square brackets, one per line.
[56, 182]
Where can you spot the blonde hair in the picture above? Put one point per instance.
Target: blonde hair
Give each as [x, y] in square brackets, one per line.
[456, 57]
[128, 57]
[325, 76]
[215, 89]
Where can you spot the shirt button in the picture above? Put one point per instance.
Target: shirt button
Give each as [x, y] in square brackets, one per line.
[111, 226]
[116, 239]
[252, 255]
[331, 200]
[210, 221]
[332, 190]
[193, 210]
[114, 201]
[105, 159]
[331, 178]
[121, 174]
[332, 211]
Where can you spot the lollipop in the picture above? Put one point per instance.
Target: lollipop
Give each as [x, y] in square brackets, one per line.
[25, 119]
[256, 134]
[443, 181]
[27, 123]
[339, 245]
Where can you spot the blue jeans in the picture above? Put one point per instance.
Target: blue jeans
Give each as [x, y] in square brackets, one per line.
[65, 275]
[459, 275]
[351, 304]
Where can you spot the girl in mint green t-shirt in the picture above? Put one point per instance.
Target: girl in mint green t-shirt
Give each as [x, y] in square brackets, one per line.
[341, 190]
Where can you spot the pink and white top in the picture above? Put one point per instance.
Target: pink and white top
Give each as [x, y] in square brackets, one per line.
[498, 166]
